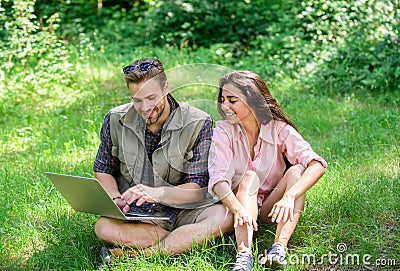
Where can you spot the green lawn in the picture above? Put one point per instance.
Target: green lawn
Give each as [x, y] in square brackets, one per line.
[354, 208]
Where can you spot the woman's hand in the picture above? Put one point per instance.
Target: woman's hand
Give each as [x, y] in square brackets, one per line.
[241, 217]
[283, 209]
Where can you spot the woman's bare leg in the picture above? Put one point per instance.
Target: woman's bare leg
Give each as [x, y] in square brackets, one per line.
[284, 230]
[247, 196]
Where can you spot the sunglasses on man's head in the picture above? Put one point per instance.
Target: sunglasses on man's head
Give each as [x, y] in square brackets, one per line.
[143, 67]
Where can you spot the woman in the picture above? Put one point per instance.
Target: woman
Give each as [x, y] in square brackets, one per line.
[260, 166]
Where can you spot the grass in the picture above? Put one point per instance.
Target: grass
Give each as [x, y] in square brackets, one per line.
[356, 203]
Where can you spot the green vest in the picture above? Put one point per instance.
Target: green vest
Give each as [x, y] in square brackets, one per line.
[177, 139]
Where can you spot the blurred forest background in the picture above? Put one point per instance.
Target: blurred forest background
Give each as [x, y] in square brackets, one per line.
[327, 46]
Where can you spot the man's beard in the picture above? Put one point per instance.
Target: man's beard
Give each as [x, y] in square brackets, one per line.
[158, 112]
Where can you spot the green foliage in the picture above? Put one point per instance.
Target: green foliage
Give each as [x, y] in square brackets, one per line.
[25, 42]
[359, 45]
[34, 61]
[341, 45]
[111, 18]
[60, 72]
[204, 23]
[344, 45]
[356, 202]
[363, 66]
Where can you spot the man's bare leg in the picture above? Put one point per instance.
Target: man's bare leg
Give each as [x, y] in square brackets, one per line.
[134, 235]
[211, 223]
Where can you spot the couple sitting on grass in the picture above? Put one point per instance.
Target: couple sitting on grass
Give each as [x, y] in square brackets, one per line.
[157, 150]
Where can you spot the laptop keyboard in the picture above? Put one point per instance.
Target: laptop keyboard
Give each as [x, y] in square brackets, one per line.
[146, 209]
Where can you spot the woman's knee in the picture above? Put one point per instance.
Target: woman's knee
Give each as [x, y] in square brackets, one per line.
[250, 181]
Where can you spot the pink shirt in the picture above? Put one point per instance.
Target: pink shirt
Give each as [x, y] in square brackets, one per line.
[230, 158]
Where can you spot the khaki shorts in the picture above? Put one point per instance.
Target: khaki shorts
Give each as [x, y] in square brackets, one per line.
[185, 217]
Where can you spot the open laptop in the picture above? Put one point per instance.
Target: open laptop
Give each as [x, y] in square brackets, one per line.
[87, 195]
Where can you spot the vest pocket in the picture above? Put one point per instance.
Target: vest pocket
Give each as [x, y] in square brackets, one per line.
[175, 176]
[128, 167]
[115, 151]
[175, 169]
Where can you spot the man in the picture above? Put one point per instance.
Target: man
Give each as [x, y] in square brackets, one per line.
[155, 150]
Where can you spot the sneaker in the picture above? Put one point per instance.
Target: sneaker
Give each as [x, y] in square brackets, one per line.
[276, 256]
[108, 254]
[244, 262]
[105, 257]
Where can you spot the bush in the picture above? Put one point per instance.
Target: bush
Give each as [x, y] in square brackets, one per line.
[34, 62]
[204, 23]
[334, 46]
[362, 48]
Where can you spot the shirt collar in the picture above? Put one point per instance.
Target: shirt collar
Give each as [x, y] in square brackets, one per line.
[266, 131]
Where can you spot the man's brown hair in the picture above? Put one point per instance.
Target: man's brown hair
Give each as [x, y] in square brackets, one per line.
[143, 70]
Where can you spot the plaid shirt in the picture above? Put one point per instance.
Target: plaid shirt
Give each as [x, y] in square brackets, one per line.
[106, 163]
